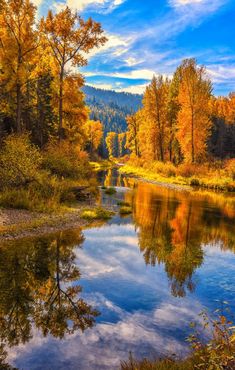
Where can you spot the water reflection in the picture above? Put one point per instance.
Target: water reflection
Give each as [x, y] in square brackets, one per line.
[173, 226]
[125, 268]
[39, 288]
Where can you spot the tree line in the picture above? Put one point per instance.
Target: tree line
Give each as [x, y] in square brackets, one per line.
[181, 120]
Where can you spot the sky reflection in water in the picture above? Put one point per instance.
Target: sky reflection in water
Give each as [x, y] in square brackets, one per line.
[149, 275]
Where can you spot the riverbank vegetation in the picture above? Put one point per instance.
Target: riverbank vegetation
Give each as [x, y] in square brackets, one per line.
[46, 136]
[214, 176]
[182, 134]
[218, 353]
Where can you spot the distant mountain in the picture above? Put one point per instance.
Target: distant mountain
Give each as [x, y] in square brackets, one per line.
[121, 99]
[111, 108]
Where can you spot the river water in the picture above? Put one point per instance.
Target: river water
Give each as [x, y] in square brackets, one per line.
[85, 299]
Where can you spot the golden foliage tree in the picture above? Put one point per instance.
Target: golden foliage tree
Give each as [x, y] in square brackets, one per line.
[69, 38]
[133, 126]
[75, 112]
[155, 111]
[94, 134]
[121, 144]
[111, 142]
[18, 41]
[194, 122]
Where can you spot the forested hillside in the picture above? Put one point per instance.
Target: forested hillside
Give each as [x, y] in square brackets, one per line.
[111, 107]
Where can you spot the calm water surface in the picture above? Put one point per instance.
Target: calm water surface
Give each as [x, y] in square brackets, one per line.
[85, 299]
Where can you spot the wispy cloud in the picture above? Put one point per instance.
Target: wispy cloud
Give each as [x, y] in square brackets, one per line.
[105, 6]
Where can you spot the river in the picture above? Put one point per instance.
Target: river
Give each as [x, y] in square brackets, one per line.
[85, 299]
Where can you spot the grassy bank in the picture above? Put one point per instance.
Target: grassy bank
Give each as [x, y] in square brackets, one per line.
[205, 176]
[43, 180]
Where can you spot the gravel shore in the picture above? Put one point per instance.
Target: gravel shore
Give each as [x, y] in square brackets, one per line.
[17, 224]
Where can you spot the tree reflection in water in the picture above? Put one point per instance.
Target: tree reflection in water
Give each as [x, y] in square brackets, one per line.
[38, 288]
[174, 225]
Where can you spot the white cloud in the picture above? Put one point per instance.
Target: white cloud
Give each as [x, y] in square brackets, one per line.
[134, 89]
[184, 2]
[80, 5]
[221, 73]
[132, 61]
[114, 42]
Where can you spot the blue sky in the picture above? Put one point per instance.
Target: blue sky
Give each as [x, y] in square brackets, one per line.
[153, 36]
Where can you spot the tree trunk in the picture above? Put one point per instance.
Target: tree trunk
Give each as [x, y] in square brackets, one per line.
[18, 108]
[60, 133]
[192, 138]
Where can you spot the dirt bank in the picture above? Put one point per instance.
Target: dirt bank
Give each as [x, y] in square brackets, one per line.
[16, 224]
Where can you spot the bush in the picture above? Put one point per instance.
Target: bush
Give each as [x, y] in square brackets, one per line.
[125, 210]
[20, 162]
[230, 168]
[97, 214]
[123, 204]
[66, 160]
[195, 182]
[166, 169]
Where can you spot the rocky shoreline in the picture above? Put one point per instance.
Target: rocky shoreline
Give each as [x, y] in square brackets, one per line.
[17, 224]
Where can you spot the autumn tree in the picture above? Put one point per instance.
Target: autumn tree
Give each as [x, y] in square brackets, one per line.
[75, 112]
[194, 123]
[121, 144]
[132, 140]
[18, 42]
[155, 111]
[94, 134]
[69, 38]
[111, 142]
[173, 108]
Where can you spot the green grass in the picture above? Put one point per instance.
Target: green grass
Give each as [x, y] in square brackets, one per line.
[125, 210]
[164, 364]
[96, 214]
[212, 181]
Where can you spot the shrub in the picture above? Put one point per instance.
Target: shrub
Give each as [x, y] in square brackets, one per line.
[66, 160]
[123, 204]
[96, 214]
[20, 162]
[230, 168]
[125, 210]
[219, 352]
[194, 182]
[166, 169]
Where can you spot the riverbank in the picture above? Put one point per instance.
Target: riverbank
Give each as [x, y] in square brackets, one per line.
[168, 177]
[17, 224]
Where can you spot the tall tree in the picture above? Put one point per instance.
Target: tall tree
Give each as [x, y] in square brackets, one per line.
[133, 126]
[155, 111]
[18, 41]
[112, 145]
[194, 121]
[69, 38]
[94, 134]
[121, 144]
